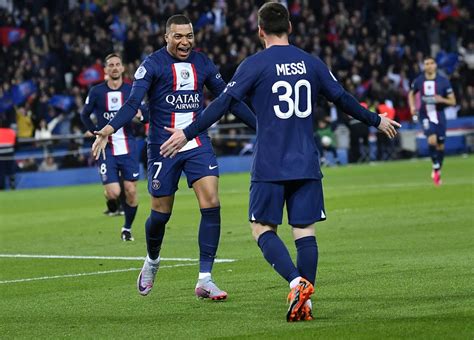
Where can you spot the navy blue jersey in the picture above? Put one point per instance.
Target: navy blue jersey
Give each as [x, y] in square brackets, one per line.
[428, 89]
[104, 103]
[175, 92]
[282, 83]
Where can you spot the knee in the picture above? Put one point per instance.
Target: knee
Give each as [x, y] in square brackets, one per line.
[259, 229]
[112, 194]
[157, 218]
[210, 201]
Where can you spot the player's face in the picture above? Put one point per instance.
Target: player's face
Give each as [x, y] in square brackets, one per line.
[180, 41]
[430, 66]
[114, 68]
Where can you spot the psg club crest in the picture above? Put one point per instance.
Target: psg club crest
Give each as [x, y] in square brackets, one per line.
[114, 100]
[185, 74]
[155, 184]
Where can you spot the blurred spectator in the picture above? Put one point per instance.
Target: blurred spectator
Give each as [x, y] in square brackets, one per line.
[374, 48]
[48, 164]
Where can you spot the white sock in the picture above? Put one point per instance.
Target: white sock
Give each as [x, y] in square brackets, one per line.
[126, 229]
[309, 303]
[295, 282]
[153, 261]
[204, 275]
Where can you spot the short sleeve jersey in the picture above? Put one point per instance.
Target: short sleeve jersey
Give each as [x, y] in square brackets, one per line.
[282, 83]
[175, 92]
[429, 88]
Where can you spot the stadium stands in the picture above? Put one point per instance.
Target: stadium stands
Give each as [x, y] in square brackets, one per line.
[50, 51]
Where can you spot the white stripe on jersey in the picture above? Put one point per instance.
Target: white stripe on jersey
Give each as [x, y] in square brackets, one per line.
[119, 140]
[120, 143]
[181, 120]
[184, 77]
[429, 89]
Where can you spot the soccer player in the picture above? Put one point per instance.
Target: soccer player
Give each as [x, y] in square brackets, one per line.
[174, 78]
[120, 158]
[282, 83]
[436, 93]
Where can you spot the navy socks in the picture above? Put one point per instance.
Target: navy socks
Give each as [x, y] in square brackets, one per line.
[130, 213]
[155, 231]
[208, 238]
[307, 257]
[276, 253]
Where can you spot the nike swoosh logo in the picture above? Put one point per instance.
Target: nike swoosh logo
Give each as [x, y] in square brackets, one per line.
[212, 167]
[183, 84]
[135, 174]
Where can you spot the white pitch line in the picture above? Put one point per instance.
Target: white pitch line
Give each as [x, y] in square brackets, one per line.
[125, 258]
[89, 274]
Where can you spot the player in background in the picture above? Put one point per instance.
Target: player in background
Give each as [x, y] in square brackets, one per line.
[436, 93]
[174, 78]
[282, 83]
[120, 158]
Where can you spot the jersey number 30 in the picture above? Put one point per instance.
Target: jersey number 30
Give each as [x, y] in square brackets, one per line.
[302, 86]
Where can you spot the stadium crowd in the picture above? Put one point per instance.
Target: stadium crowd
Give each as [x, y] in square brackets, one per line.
[51, 51]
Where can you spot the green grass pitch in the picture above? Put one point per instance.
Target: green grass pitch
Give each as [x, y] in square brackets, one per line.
[396, 261]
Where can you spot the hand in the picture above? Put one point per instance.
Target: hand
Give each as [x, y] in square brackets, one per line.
[439, 99]
[387, 126]
[101, 140]
[139, 115]
[176, 141]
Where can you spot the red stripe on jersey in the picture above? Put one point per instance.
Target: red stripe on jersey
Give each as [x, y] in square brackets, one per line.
[174, 77]
[198, 141]
[173, 118]
[195, 78]
[111, 145]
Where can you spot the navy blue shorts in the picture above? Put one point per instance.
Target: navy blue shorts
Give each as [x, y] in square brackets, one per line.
[304, 202]
[113, 167]
[430, 128]
[164, 173]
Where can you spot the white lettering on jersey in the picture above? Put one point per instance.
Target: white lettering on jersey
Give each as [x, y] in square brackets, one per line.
[291, 68]
[87, 100]
[184, 77]
[189, 101]
[140, 72]
[429, 90]
[114, 100]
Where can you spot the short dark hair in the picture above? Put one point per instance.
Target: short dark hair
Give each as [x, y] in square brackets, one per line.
[112, 55]
[274, 18]
[178, 19]
[429, 58]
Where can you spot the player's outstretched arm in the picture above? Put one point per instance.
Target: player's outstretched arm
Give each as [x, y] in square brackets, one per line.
[347, 103]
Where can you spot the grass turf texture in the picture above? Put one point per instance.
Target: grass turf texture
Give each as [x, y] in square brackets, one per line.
[396, 261]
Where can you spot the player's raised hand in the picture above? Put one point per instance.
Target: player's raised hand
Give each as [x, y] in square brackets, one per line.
[387, 126]
[100, 142]
[176, 141]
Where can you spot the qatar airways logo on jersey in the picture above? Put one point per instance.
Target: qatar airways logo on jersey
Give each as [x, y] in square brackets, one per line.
[109, 115]
[290, 68]
[184, 101]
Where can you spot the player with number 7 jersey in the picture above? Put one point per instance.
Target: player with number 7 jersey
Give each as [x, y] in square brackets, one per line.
[282, 83]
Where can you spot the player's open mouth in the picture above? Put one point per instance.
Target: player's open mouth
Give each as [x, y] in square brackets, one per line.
[184, 51]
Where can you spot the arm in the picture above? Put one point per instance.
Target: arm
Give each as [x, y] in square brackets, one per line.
[411, 102]
[349, 104]
[86, 113]
[450, 100]
[143, 79]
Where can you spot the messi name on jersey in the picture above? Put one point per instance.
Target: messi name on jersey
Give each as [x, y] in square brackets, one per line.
[291, 68]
